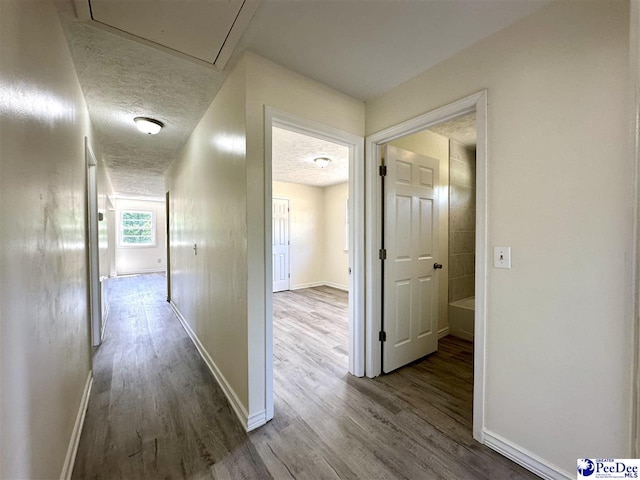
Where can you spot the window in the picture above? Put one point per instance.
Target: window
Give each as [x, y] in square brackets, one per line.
[137, 228]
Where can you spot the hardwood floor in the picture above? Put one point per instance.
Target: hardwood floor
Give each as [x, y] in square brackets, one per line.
[156, 412]
[414, 423]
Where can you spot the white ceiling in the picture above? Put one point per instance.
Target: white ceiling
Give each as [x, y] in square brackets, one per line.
[292, 159]
[360, 47]
[366, 47]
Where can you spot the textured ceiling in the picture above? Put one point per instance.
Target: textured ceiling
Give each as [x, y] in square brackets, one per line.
[461, 129]
[362, 48]
[122, 79]
[293, 154]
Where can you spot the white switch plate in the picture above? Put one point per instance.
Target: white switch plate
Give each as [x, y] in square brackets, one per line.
[501, 257]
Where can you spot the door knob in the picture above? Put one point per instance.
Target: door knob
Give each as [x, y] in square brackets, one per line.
[436, 266]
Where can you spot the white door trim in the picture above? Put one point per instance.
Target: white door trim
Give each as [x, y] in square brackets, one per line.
[277, 118]
[93, 270]
[478, 103]
[634, 59]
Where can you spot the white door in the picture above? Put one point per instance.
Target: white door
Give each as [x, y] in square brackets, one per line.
[410, 313]
[280, 233]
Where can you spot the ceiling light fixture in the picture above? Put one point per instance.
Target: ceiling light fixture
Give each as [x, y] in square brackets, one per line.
[148, 125]
[322, 162]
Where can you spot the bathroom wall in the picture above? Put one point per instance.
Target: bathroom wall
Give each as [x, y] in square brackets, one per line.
[462, 221]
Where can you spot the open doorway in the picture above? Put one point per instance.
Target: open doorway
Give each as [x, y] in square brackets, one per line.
[427, 243]
[314, 240]
[310, 256]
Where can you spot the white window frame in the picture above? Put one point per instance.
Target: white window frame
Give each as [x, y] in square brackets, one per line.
[154, 236]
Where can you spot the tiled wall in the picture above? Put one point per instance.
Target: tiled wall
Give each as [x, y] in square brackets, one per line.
[462, 221]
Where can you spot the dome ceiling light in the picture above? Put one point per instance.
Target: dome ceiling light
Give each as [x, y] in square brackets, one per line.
[322, 162]
[148, 125]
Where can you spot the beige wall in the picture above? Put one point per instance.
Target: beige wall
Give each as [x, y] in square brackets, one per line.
[316, 226]
[44, 329]
[271, 85]
[336, 258]
[142, 259]
[208, 198]
[217, 201]
[436, 146]
[462, 225]
[306, 232]
[560, 194]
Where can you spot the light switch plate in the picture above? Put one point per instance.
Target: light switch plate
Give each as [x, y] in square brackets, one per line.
[502, 257]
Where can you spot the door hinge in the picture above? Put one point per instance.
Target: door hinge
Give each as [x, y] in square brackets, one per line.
[289, 276]
[382, 254]
[383, 170]
[382, 336]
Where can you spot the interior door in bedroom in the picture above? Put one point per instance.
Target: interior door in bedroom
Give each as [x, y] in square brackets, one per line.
[280, 232]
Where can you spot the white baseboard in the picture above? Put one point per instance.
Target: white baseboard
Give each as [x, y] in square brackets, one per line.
[249, 423]
[256, 420]
[300, 286]
[72, 450]
[344, 288]
[141, 272]
[306, 285]
[443, 332]
[523, 457]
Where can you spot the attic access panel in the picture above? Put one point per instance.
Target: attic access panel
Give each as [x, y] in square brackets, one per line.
[205, 29]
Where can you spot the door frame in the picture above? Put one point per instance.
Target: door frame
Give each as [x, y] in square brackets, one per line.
[93, 247]
[288, 230]
[634, 100]
[167, 202]
[473, 103]
[278, 118]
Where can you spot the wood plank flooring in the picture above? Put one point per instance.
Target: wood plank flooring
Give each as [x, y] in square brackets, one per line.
[156, 412]
[414, 423]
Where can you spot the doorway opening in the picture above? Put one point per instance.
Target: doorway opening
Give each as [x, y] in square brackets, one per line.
[426, 242]
[314, 239]
[93, 271]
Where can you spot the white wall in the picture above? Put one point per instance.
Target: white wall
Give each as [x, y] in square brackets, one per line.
[208, 198]
[436, 146]
[316, 226]
[271, 85]
[306, 232]
[336, 258]
[560, 176]
[217, 192]
[142, 259]
[44, 329]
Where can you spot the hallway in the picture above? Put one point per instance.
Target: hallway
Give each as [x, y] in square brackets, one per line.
[156, 412]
